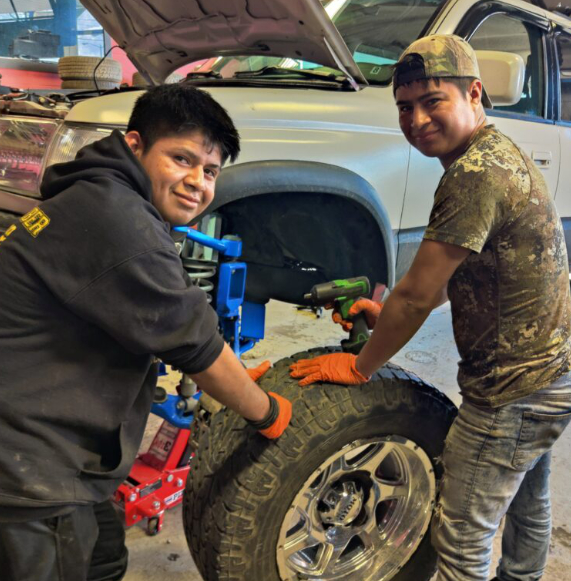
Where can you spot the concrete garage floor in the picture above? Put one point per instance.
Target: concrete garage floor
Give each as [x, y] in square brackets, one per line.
[431, 354]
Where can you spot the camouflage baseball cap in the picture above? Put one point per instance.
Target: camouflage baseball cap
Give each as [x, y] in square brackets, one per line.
[441, 56]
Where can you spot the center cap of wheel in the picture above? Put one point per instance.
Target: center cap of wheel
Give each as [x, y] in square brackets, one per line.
[343, 504]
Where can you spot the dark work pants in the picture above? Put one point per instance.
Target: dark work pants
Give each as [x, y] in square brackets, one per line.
[87, 544]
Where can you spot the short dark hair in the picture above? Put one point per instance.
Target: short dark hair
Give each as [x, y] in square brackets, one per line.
[172, 109]
[411, 70]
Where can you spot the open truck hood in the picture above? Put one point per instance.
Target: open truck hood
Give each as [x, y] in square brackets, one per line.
[159, 36]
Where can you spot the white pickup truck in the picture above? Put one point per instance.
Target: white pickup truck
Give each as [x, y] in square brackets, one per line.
[326, 185]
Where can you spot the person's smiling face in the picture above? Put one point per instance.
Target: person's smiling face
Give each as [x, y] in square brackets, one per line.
[183, 169]
[438, 119]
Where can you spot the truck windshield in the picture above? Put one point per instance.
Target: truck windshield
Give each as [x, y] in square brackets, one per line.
[376, 32]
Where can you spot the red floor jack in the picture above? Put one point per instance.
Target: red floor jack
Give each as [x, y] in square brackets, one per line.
[158, 477]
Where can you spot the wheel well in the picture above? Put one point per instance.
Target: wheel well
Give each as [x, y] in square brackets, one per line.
[292, 241]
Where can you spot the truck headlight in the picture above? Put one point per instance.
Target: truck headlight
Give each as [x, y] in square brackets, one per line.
[23, 148]
[70, 139]
[29, 146]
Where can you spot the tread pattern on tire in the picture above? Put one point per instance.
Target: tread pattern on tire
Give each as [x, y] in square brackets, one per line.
[81, 68]
[236, 472]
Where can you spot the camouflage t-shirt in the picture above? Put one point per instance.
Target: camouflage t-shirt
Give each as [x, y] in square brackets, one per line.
[511, 308]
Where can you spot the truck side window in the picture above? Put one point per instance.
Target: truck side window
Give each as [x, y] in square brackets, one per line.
[564, 57]
[508, 34]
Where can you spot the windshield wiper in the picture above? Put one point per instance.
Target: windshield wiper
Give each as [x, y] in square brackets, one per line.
[270, 71]
[203, 75]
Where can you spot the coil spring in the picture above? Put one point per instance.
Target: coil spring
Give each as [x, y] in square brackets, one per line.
[201, 272]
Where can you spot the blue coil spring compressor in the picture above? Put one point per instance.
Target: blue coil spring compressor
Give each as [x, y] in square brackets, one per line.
[241, 322]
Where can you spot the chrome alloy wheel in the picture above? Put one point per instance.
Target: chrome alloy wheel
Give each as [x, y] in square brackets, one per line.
[361, 515]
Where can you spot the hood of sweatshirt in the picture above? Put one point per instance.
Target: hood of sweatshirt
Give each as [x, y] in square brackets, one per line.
[110, 156]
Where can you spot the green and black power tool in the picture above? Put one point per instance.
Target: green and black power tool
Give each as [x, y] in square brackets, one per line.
[344, 293]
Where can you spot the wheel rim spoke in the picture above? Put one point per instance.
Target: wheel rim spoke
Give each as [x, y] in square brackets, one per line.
[371, 536]
[302, 540]
[374, 458]
[304, 507]
[311, 532]
[338, 468]
[390, 491]
[328, 557]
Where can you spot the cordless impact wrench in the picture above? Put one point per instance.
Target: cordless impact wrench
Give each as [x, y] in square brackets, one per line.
[343, 293]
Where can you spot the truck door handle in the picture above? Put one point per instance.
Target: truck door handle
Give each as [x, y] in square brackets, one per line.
[542, 159]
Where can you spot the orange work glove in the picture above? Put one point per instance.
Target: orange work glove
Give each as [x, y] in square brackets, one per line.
[334, 368]
[371, 309]
[282, 421]
[256, 372]
[277, 420]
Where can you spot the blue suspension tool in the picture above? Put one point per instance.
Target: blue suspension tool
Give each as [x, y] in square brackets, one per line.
[241, 322]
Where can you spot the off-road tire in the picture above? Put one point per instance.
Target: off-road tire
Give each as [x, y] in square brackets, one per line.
[240, 484]
[81, 68]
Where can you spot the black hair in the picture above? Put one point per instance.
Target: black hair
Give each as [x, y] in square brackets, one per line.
[411, 69]
[168, 110]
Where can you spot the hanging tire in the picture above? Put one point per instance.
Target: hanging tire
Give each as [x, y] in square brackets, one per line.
[346, 493]
[85, 73]
[81, 68]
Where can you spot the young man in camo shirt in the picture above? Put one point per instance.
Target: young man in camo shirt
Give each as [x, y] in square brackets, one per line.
[495, 247]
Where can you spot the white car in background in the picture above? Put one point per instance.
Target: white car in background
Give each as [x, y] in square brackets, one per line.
[326, 187]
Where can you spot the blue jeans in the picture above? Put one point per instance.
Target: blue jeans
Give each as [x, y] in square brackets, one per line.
[496, 464]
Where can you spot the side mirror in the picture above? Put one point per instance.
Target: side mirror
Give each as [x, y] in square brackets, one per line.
[502, 75]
